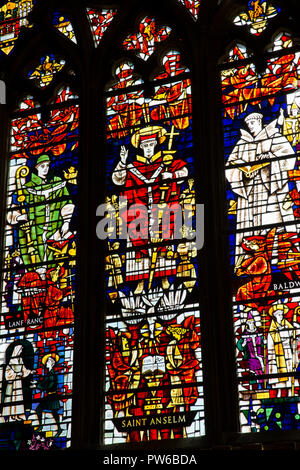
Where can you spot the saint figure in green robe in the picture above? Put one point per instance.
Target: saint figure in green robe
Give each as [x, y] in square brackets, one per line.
[41, 212]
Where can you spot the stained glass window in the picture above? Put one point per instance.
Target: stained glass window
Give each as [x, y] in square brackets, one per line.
[143, 42]
[38, 287]
[139, 359]
[192, 6]
[64, 25]
[257, 16]
[261, 137]
[99, 22]
[282, 41]
[13, 16]
[44, 73]
[153, 350]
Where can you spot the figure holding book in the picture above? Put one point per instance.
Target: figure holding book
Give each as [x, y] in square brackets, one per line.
[257, 170]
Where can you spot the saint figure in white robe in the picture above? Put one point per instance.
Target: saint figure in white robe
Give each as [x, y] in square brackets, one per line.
[257, 170]
[15, 372]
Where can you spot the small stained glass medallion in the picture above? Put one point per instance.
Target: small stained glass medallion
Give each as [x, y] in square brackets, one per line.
[99, 22]
[28, 103]
[257, 15]
[237, 52]
[44, 73]
[192, 6]
[144, 41]
[65, 94]
[64, 25]
[13, 15]
[125, 76]
[282, 40]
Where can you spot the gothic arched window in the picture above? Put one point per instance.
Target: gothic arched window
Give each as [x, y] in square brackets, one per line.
[125, 319]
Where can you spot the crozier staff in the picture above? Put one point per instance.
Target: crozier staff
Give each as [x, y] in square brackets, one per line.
[48, 212]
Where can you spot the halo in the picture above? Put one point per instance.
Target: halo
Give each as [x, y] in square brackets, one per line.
[275, 307]
[46, 357]
[149, 130]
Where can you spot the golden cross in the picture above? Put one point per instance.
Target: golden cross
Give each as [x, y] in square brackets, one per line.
[8, 259]
[172, 133]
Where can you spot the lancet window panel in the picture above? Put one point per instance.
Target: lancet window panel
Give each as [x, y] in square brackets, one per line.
[153, 381]
[38, 275]
[261, 142]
